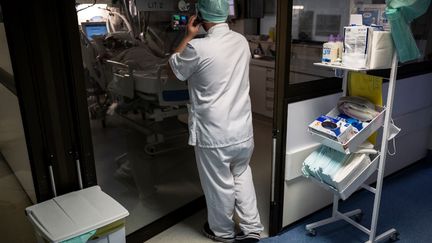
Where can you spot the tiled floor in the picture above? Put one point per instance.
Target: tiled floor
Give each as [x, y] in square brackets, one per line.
[14, 227]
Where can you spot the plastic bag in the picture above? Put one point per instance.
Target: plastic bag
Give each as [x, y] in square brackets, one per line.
[366, 86]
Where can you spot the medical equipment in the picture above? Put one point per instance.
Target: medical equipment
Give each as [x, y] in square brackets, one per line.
[383, 119]
[153, 86]
[179, 21]
[141, 84]
[183, 6]
[127, 76]
[92, 29]
[97, 76]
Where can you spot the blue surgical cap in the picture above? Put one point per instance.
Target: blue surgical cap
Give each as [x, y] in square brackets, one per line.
[214, 11]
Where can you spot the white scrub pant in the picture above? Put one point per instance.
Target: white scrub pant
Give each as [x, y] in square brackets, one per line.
[226, 179]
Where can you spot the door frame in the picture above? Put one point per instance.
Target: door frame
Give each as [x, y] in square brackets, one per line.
[287, 93]
[36, 66]
[283, 55]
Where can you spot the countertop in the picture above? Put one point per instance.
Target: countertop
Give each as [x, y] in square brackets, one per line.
[264, 63]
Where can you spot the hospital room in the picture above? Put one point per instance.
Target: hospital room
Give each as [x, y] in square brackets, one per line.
[216, 121]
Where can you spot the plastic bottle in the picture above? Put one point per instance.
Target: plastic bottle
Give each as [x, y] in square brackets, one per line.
[330, 51]
[272, 34]
[339, 44]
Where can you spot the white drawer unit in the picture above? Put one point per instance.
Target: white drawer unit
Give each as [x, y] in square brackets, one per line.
[262, 87]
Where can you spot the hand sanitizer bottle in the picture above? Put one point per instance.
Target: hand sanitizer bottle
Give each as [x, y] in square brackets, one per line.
[330, 52]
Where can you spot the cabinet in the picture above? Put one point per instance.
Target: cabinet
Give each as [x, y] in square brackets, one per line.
[262, 87]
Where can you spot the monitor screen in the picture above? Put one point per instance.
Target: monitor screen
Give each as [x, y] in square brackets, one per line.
[179, 21]
[94, 29]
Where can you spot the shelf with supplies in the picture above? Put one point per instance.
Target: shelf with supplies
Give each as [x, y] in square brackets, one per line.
[340, 66]
[355, 141]
[353, 185]
[377, 164]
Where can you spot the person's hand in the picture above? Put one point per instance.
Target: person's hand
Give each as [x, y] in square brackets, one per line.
[192, 30]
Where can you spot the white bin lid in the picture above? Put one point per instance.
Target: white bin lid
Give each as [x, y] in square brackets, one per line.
[75, 213]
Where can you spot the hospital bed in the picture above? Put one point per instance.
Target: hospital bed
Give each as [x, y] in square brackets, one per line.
[135, 81]
[97, 77]
[158, 96]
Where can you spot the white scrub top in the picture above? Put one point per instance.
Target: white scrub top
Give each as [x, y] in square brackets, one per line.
[217, 70]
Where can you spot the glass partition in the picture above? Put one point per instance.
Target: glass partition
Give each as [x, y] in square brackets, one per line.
[138, 116]
[313, 21]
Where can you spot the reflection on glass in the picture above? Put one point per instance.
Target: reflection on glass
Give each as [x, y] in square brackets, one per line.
[313, 21]
[138, 115]
[16, 181]
[421, 30]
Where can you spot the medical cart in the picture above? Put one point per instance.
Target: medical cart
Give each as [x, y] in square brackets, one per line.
[378, 163]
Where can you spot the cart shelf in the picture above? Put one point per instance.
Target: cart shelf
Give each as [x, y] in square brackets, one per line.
[354, 184]
[356, 140]
[340, 66]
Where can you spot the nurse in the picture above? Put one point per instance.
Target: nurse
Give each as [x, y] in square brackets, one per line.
[220, 120]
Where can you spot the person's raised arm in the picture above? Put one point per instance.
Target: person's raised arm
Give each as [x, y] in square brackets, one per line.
[192, 31]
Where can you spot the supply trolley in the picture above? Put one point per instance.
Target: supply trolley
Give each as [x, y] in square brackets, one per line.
[377, 163]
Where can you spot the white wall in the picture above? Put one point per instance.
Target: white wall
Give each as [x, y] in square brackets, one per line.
[412, 112]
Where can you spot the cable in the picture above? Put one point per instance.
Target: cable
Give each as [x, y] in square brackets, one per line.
[393, 143]
[94, 3]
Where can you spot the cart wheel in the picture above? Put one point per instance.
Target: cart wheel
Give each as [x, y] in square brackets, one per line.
[394, 237]
[358, 217]
[311, 232]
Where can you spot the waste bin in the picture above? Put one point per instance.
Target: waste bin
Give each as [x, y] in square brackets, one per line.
[88, 215]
